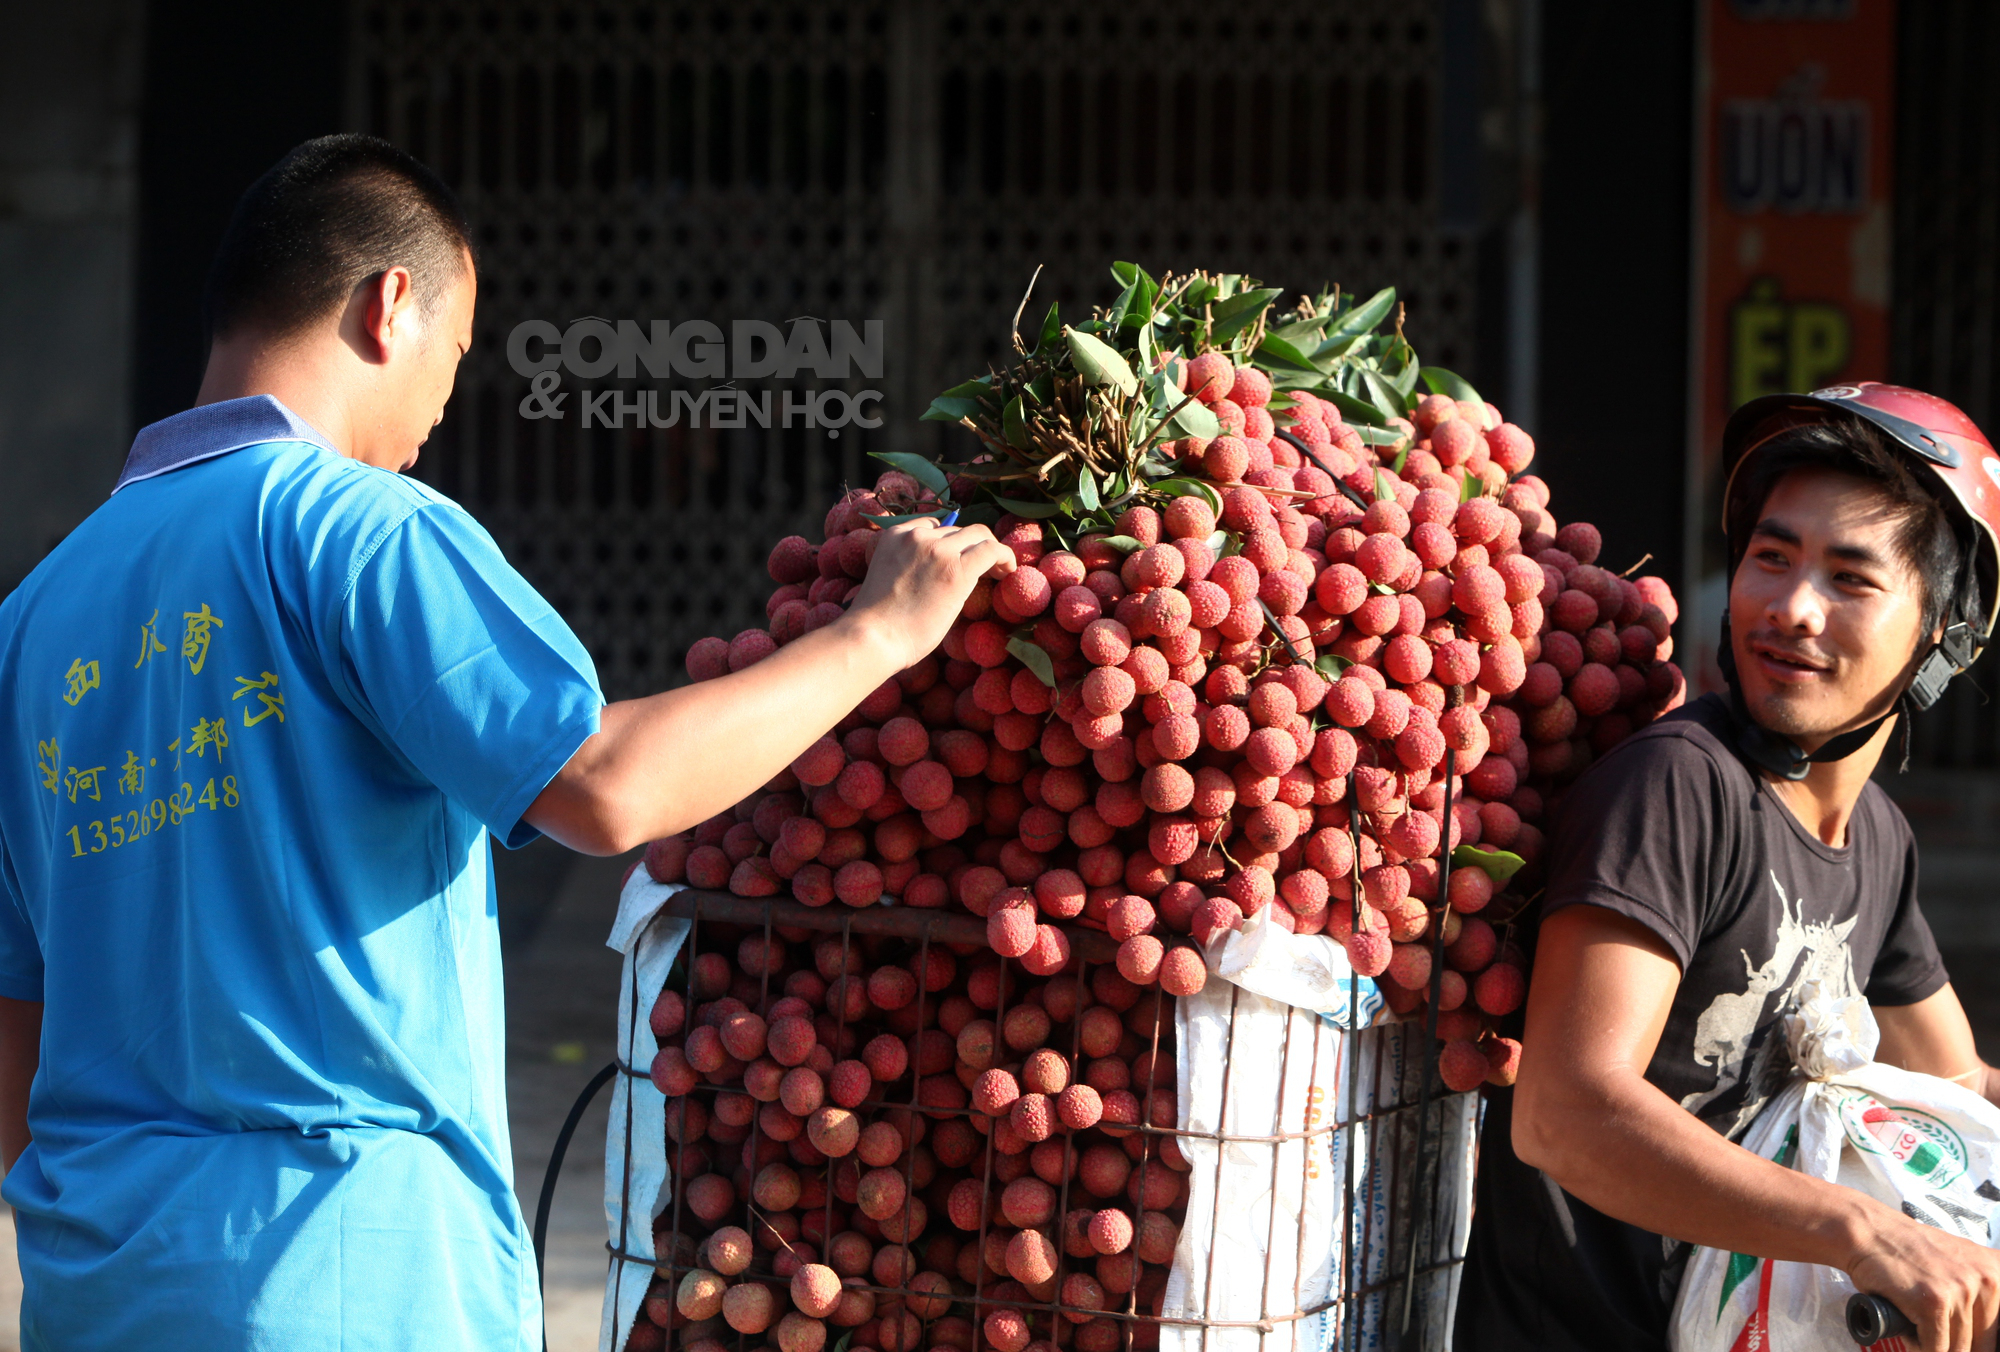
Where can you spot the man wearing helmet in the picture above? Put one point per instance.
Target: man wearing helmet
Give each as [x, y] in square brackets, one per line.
[1709, 864]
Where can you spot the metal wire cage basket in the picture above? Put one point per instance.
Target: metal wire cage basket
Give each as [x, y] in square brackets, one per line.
[1294, 1182]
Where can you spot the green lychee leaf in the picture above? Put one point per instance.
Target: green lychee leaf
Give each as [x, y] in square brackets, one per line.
[1441, 381]
[1388, 401]
[1086, 489]
[1377, 436]
[1193, 488]
[1051, 330]
[1276, 353]
[1195, 420]
[1331, 665]
[946, 408]
[841, 1344]
[1402, 459]
[1405, 379]
[970, 389]
[1099, 363]
[1015, 423]
[1028, 511]
[1470, 489]
[1499, 865]
[1232, 544]
[923, 471]
[1217, 543]
[1135, 306]
[1385, 487]
[1035, 660]
[1300, 331]
[1115, 318]
[1355, 413]
[993, 469]
[1230, 317]
[1362, 319]
[1124, 544]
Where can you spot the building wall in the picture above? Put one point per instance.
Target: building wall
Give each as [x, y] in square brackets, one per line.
[69, 116]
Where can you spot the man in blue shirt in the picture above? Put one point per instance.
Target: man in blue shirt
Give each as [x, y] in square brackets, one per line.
[262, 711]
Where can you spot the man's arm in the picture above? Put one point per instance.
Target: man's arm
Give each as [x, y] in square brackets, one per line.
[1585, 1115]
[659, 765]
[20, 1054]
[1933, 1037]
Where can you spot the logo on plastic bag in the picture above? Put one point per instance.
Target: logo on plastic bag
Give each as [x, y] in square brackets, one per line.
[1913, 1138]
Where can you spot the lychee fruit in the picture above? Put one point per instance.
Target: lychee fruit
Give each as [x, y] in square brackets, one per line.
[1032, 1257]
[1463, 1066]
[749, 1307]
[833, 1131]
[699, 1295]
[816, 1290]
[994, 1092]
[1500, 988]
[1182, 971]
[1110, 1231]
[880, 1193]
[1045, 1072]
[1028, 1202]
[1032, 1116]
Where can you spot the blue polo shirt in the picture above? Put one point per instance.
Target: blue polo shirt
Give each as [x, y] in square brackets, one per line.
[258, 716]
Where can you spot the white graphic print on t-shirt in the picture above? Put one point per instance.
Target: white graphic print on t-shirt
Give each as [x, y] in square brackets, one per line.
[1727, 1033]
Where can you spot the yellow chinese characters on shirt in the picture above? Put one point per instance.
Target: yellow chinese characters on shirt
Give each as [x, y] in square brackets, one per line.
[179, 800]
[194, 641]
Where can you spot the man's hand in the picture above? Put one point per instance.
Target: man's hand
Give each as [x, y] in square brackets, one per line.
[1949, 1287]
[919, 579]
[661, 764]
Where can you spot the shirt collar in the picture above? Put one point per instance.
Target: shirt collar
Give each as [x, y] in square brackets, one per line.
[211, 430]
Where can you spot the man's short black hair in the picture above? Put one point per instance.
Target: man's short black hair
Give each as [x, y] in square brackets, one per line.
[1927, 536]
[332, 213]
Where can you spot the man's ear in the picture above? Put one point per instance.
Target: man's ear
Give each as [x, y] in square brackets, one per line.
[388, 307]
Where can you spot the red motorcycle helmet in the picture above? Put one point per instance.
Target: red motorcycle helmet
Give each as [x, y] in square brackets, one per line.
[1946, 450]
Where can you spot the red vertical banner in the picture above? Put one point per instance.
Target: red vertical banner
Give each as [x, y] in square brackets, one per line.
[1794, 101]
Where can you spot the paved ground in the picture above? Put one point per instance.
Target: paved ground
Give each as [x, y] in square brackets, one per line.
[562, 994]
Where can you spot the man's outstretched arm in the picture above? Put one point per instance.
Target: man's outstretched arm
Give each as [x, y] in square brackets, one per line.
[1585, 1115]
[664, 763]
[1933, 1037]
[20, 1054]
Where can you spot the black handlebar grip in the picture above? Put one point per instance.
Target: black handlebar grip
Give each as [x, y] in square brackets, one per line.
[1870, 1319]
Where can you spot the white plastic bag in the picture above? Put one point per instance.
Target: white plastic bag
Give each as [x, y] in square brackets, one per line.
[635, 1146]
[1926, 1146]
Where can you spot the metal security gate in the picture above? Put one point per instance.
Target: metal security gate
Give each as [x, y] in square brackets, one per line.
[907, 162]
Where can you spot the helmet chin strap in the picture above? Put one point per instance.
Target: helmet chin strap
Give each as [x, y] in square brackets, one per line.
[1779, 754]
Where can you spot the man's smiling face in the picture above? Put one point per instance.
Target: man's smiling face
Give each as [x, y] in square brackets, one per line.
[1824, 608]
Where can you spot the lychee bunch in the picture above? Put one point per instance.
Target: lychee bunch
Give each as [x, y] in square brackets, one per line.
[1254, 687]
[853, 1113]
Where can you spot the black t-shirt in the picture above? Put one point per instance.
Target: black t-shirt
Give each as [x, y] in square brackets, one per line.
[1674, 830]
